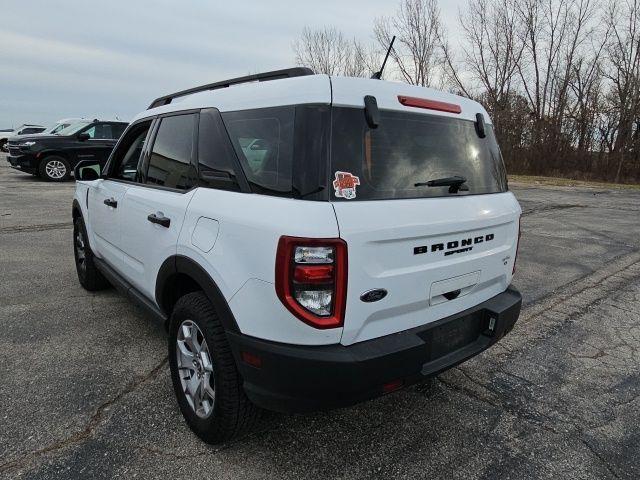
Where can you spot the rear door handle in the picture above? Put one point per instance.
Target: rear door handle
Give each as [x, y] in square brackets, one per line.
[164, 221]
[111, 202]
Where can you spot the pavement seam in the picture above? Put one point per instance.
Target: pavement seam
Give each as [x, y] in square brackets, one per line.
[549, 208]
[595, 453]
[36, 228]
[578, 286]
[604, 282]
[94, 422]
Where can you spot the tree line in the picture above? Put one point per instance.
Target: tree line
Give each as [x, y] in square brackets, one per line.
[560, 78]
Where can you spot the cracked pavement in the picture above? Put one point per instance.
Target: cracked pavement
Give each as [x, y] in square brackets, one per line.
[85, 391]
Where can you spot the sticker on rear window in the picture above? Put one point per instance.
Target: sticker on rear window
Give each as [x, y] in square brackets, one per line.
[345, 185]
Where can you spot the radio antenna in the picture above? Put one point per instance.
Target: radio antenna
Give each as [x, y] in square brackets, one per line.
[378, 74]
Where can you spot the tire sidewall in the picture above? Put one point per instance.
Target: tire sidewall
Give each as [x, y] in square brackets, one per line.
[43, 170]
[90, 277]
[203, 427]
[78, 225]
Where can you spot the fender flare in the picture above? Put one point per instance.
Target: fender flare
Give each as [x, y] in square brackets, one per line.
[179, 264]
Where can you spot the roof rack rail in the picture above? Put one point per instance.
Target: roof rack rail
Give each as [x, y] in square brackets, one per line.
[259, 77]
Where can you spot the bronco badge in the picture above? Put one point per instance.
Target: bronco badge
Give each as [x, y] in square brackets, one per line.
[453, 246]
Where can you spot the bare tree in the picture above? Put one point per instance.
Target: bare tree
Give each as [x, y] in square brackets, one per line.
[417, 53]
[560, 78]
[491, 54]
[327, 50]
[492, 51]
[624, 59]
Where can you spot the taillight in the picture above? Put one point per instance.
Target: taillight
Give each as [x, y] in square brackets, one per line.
[311, 279]
[517, 247]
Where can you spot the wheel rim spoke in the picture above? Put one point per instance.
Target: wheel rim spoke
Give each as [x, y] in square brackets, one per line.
[185, 357]
[193, 386]
[80, 249]
[206, 361]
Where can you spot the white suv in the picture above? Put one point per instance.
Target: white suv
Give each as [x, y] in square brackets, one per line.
[308, 241]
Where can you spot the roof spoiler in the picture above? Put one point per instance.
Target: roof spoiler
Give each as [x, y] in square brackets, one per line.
[259, 77]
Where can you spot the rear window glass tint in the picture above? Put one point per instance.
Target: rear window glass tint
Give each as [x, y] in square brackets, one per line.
[263, 140]
[170, 161]
[216, 162]
[411, 148]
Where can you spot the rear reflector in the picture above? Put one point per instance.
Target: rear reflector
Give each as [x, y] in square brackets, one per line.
[392, 386]
[251, 359]
[429, 104]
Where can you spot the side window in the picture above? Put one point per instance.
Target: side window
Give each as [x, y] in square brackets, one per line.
[129, 152]
[170, 160]
[60, 127]
[99, 131]
[263, 140]
[216, 157]
[117, 129]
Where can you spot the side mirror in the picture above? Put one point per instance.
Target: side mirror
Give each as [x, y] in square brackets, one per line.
[83, 136]
[87, 170]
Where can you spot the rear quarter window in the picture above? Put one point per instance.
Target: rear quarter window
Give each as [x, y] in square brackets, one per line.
[263, 141]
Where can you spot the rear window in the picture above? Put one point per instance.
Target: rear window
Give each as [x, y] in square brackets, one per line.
[409, 148]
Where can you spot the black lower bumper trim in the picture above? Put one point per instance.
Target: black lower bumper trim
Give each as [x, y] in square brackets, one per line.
[22, 163]
[295, 378]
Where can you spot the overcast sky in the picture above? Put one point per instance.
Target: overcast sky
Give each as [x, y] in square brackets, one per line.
[77, 58]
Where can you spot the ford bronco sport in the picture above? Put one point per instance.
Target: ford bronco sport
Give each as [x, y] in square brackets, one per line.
[308, 241]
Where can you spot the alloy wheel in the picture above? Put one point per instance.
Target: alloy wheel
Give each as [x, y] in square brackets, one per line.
[55, 169]
[195, 369]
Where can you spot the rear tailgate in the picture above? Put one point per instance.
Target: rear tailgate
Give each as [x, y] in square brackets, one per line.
[434, 256]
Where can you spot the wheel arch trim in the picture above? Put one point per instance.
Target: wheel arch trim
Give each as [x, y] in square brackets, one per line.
[179, 264]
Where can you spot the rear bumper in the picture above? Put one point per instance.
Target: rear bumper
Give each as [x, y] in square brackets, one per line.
[295, 378]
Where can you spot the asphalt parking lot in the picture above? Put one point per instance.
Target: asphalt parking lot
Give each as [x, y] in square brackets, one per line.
[85, 390]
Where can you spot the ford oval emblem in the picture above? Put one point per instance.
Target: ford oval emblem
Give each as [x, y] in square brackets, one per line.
[373, 295]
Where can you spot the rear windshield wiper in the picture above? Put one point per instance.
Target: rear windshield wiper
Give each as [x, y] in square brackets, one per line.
[455, 183]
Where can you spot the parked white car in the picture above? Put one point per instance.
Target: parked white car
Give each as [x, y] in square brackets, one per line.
[62, 124]
[368, 244]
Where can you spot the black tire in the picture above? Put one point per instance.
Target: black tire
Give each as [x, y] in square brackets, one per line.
[232, 413]
[60, 173]
[88, 274]
[3, 145]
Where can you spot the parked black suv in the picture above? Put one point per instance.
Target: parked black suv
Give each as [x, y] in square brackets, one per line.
[53, 157]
